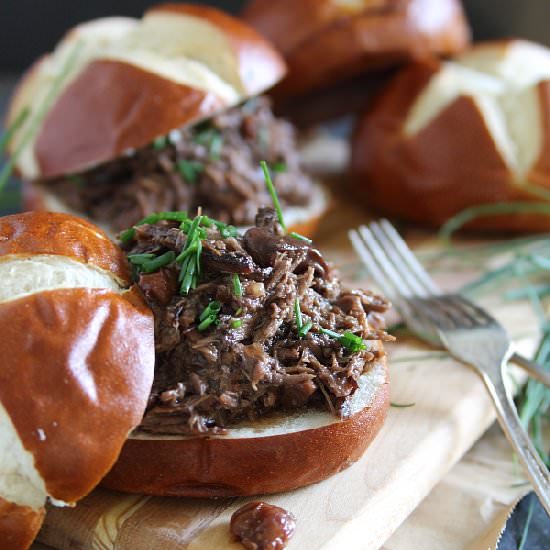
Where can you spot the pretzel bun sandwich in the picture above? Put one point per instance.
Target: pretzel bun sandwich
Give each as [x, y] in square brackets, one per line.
[444, 137]
[77, 365]
[326, 41]
[269, 375]
[132, 116]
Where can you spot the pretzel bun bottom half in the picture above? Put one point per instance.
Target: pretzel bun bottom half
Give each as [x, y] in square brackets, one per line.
[265, 456]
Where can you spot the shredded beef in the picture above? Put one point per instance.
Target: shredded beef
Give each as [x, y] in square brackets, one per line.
[214, 165]
[253, 360]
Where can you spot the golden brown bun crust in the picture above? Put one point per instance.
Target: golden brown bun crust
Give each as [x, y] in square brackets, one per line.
[435, 174]
[203, 467]
[107, 110]
[19, 525]
[384, 33]
[32, 233]
[260, 64]
[88, 357]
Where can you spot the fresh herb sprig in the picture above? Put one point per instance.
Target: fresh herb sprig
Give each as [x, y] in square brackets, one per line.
[128, 234]
[273, 194]
[303, 328]
[209, 316]
[36, 117]
[350, 341]
[275, 198]
[237, 287]
[190, 170]
[189, 258]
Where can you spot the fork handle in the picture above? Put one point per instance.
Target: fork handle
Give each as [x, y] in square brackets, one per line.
[533, 369]
[509, 421]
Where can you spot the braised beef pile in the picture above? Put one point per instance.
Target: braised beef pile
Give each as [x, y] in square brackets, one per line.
[214, 165]
[249, 358]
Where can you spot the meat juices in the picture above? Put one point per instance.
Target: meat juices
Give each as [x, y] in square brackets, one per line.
[214, 165]
[251, 360]
[261, 526]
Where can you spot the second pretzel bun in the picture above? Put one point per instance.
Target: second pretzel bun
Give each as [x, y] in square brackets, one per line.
[115, 84]
[77, 364]
[266, 456]
[444, 137]
[325, 41]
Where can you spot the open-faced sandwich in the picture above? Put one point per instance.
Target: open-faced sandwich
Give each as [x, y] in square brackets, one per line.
[269, 375]
[127, 117]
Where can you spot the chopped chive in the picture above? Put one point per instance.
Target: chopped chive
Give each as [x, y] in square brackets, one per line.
[350, 341]
[279, 167]
[216, 147]
[15, 125]
[160, 143]
[298, 314]
[39, 114]
[306, 327]
[236, 323]
[190, 169]
[212, 139]
[150, 266]
[209, 315]
[139, 259]
[303, 328]
[239, 311]
[128, 234]
[300, 237]
[273, 193]
[402, 405]
[237, 287]
[487, 210]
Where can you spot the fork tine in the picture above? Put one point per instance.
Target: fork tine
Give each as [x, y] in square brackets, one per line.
[371, 264]
[386, 265]
[476, 313]
[409, 258]
[405, 273]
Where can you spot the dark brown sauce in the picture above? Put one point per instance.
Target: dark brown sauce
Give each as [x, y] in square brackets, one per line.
[261, 526]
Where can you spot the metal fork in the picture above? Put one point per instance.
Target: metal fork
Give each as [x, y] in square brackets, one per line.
[468, 332]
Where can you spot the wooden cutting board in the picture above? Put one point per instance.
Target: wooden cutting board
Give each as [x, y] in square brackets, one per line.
[356, 509]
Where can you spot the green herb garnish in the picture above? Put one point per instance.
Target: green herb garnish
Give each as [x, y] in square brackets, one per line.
[189, 258]
[488, 210]
[279, 167]
[237, 287]
[236, 323]
[273, 193]
[402, 405]
[161, 143]
[190, 170]
[128, 234]
[349, 340]
[212, 139]
[154, 264]
[209, 316]
[15, 125]
[225, 230]
[300, 237]
[38, 116]
[303, 328]
[140, 259]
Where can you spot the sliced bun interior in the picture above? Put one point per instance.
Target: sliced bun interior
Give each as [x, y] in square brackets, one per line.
[274, 454]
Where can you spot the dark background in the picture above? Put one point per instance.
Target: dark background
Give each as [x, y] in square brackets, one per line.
[30, 27]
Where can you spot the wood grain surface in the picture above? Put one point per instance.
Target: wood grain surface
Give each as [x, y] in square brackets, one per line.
[360, 507]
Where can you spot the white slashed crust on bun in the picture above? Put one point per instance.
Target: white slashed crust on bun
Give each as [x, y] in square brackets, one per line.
[443, 137]
[77, 364]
